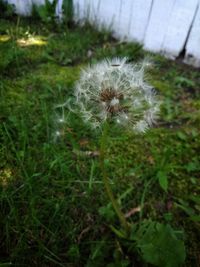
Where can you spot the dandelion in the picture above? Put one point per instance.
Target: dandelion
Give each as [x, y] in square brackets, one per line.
[116, 90]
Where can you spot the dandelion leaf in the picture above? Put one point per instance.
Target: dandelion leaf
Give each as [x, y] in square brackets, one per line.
[159, 245]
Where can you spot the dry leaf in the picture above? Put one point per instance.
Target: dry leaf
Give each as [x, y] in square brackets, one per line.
[132, 211]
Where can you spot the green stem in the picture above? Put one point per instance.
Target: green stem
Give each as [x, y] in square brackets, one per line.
[106, 180]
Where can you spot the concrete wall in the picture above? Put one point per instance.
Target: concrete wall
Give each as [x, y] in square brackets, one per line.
[169, 27]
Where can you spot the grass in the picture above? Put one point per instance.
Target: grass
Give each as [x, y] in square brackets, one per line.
[53, 208]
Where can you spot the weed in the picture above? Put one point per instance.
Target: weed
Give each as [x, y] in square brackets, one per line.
[53, 212]
[7, 10]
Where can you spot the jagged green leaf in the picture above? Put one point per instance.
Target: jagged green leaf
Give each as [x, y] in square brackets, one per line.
[159, 245]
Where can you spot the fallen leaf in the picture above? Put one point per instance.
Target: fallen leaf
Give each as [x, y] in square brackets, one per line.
[132, 212]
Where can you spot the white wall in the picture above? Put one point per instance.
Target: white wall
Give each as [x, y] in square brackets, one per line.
[164, 26]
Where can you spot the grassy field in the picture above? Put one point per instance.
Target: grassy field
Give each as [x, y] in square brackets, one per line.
[53, 206]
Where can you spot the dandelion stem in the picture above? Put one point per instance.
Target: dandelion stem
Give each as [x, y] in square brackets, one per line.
[103, 143]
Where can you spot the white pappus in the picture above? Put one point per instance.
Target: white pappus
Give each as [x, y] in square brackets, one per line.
[116, 90]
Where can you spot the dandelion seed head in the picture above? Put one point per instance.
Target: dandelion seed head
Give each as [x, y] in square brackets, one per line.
[116, 90]
[114, 102]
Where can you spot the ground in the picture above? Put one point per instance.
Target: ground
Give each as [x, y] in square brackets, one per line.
[54, 210]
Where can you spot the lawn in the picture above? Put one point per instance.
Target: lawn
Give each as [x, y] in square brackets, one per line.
[54, 209]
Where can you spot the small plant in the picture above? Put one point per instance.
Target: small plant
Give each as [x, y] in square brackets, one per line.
[67, 12]
[7, 10]
[115, 92]
[45, 12]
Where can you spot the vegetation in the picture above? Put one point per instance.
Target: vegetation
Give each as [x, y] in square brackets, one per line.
[7, 10]
[54, 211]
